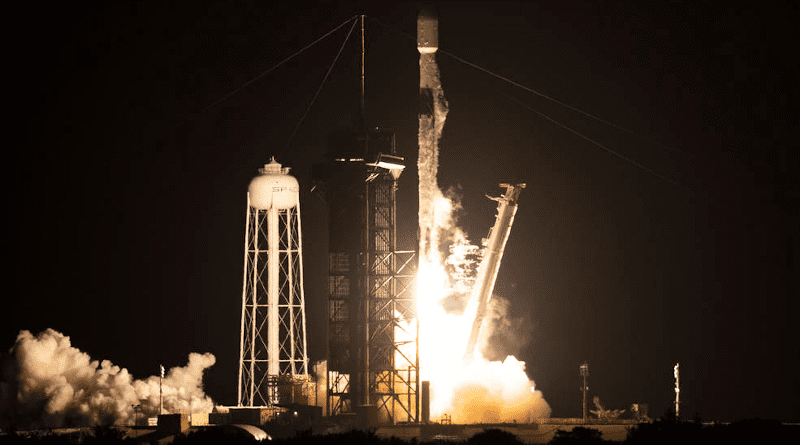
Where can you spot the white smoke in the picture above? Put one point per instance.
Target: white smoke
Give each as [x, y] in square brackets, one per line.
[49, 383]
[496, 391]
[501, 333]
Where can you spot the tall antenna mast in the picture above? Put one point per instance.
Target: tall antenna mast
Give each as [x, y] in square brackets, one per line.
[585, 388]
[363, 89]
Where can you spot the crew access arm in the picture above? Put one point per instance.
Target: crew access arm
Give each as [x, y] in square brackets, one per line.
[490, 265]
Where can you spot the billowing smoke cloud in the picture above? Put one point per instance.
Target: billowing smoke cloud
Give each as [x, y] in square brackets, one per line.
[49, 383]
[501, 333]
[496, 387]
[493, 392]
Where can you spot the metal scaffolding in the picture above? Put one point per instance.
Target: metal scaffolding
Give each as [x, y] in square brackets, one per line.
[372, 337]
[390, 316]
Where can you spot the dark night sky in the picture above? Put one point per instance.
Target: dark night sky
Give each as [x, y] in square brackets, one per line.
[126, 199]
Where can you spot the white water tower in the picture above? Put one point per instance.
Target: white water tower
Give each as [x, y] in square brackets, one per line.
[273, 328]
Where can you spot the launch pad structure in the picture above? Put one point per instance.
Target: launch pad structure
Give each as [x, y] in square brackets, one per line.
[372, 367]
[372, 371]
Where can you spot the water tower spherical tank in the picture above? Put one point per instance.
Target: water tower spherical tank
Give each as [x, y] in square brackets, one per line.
[274, 187]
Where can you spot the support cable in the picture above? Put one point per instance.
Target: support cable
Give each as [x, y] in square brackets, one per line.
[244, 85]
[325, 79]
[577, 110]
[528, 89]
[624, 158]
[551, 99]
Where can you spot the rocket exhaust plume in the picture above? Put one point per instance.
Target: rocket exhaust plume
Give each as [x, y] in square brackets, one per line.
[477, 390]
[49, 383]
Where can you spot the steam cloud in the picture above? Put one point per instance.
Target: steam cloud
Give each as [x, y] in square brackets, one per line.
[48, 383]
[501, 333]
[492, 392]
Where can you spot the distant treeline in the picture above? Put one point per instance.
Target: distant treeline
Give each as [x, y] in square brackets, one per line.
[663, 431]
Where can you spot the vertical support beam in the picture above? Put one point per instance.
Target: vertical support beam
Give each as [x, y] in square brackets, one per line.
[363, 88]
[239, 399]
[273, 293]
[365, 372]
[254, 303]
[302, 291]
[290, 298]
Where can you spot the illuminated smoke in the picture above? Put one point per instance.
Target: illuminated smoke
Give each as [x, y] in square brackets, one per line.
[501, 333]
[49, 383]
[496, 391]
[480, 390]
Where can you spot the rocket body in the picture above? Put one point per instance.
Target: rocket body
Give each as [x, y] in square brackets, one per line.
[432, 114]
[427, 32]
[427, 44]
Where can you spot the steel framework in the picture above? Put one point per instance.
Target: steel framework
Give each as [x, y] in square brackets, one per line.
[391, 334]
[273, 324]
[372, 335]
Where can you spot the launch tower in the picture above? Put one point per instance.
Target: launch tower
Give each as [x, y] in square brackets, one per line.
[372, 339]
[372, 367]
[273, 363]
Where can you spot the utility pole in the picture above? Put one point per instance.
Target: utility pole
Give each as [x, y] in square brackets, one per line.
[585, 388]
[677, 372]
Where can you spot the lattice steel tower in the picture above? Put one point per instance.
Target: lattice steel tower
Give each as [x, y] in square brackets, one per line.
[372, 336]
[272, 360]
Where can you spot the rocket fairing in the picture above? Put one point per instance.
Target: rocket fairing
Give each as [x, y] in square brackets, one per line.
[432, 114]
[427, 44]
[427, 32]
